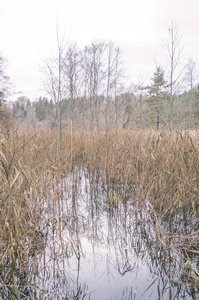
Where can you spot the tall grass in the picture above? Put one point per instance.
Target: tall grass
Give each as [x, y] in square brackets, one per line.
[151, 167]
[163, 168]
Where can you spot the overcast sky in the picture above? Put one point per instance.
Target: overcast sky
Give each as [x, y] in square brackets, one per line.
[28, 33]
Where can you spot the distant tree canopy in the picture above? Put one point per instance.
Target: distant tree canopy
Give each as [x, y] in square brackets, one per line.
[126, 107]
[42, 108]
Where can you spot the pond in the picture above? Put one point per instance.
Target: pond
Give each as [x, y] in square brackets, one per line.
[97, 242]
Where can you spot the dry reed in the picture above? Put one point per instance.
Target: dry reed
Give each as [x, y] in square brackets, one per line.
[151, 166]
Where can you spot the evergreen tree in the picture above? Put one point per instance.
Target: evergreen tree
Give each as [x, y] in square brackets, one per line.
[42, 108]
[156, 91]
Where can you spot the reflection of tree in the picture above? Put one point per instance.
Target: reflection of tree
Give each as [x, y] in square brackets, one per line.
[125, 264]
[148, 237]
[163, 257]
[153, 241]
[79, 207]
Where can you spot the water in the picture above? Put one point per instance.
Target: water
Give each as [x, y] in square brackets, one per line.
[97, 246]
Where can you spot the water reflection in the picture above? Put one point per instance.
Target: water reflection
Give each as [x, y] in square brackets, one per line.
[93, 245]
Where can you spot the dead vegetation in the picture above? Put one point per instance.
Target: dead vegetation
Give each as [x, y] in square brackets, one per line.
[152, 167]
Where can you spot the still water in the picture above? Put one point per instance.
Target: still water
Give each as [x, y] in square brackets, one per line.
[97, 243]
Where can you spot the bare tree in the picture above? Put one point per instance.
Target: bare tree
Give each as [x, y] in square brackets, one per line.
[114, 87]
[54, 83]
[88, 84]
[175, 71]
[191, 79]
[191, 75]
[94, 75]
[72, 71]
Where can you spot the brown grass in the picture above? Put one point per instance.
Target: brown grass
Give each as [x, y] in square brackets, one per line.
[150, 165]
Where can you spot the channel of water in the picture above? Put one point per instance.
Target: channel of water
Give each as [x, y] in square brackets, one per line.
[107, 248]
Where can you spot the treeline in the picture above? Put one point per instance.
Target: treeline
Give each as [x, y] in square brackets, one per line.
[88, 89]
[128, 110]
[43, 112]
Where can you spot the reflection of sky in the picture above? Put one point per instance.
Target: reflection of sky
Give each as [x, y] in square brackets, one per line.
[102, 254]
[115, 250]
[100, 272]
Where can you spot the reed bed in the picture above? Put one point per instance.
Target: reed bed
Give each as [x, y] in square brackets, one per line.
[154, 167]
[162, 167]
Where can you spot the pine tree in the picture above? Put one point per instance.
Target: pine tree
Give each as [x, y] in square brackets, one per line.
[156, 91]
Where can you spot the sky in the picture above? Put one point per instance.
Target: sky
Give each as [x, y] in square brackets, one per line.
[28, 34]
